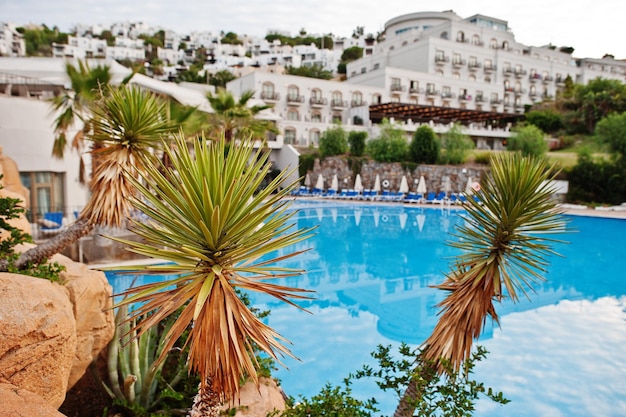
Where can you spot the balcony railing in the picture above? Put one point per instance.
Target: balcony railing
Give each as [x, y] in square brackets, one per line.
[473, 66]
[534, 77]
[509, 89]
[508, 71]
[416, 90]
[317, 101]
[465, 97]
[519, 73]
[480, 99]
[358, 103]
[519, 91]
[548, 79]
[295, 99]
[490, 68]
[397, 87]
[270, 96]
[495, 101]
[337, 103]
[446, 95]
[441, 59]
[458, 63]
[430, 92]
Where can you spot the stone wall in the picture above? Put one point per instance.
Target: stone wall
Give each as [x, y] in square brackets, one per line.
[434, 175]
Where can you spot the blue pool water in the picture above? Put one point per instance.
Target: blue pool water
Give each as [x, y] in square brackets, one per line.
[562, 353]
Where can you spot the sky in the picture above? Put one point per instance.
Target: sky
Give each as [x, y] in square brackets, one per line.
[593, 29]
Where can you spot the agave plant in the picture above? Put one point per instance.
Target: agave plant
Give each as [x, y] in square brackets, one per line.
[505, 242]
[207, 219]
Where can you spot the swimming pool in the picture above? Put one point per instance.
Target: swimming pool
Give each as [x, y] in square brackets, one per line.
[559, 354]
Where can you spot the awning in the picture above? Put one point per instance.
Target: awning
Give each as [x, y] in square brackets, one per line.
[424, 113]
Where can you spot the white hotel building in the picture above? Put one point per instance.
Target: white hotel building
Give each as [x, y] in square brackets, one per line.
[435, 68]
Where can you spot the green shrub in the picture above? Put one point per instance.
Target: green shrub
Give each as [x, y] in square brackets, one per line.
[529, 140]
[333, 141]
[482, 158]
[425, 146]
[357, 142]
[547, 120]
[390, 146]
[455, 146]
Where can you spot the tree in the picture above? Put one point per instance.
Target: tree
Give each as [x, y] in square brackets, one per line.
[390, 146]
[231, 38]
[127, 125]
[455, 146]
[213, 227]
[221, 78]
[505, 243]
[529, 140]
[357, 142]
[612, 130]
[235, 118]
[596, 100]
[333, 141]
[87, 84]
[424, 148]
[352, 54]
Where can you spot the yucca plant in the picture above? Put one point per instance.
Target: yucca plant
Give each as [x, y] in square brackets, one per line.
[505, 241]
[127, 128]
[213, 227]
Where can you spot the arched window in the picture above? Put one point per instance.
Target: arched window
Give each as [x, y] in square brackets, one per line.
[314, 137]
[505, 45]
[460, 36]
[376, 99]
[337, 98]
[290, 135]
[293, 93]
[444, 35]
[316, 117]
[357, 99]
[493, 43]
[267, 92]
[293, 114]
[476, 40]
[472, 77]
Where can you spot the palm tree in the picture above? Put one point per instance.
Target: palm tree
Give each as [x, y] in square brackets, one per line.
[505, 242]
[235, 118]
[86, 86]
[208, 220]
[127, 125]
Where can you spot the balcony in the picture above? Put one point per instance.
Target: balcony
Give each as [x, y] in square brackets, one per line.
[533, 94]
[490, 69]
[520, 91]
[441, 59]
[519, 73]
[317, 102]
[358, 103]
[397, 87]
[295, 100]
[474, 66]
[534, 77]
[465, 98]
[447, 96]
[270, 96]
[432, 92]
[495, 101]
[548, 79]
[458, 63]
[508, 71]
[509, 89]
[338, 104]
[560, 81]
[480, 99]
[416, 90]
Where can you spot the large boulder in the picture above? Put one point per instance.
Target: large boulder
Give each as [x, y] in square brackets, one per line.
[37, 336]
[259, 401]
[90, 294]
[19, 402]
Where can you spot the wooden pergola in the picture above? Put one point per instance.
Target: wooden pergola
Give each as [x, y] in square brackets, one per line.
[424, 113]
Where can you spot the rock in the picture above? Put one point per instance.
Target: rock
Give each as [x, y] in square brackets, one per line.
[19, 402]
[37, 336]
[90, 294]
[260, 401]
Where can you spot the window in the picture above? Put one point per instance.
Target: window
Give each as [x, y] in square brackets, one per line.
[505, 45]
[337, 98]
[444, 35]
[414, 86]
[430, 88]
[267, 92]
[476, 40]
[293, 114]
[337, 118]
[493, 43]
[395, 98]
[290, 135]
[456, 75]
[460, 37]
[357, 99]
[316, 117]
[396, 85]
[472, 77]
[314, 137]
[46, 192]
[293, 93]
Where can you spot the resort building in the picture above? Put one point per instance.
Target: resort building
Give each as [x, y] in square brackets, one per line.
[11, 41]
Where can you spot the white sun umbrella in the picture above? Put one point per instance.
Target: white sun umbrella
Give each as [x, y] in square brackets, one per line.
[320, 182]
[404, 185]
[377, 184]
[335, 184]
[468, 188]
[447, 187]
[358, 185]
[421, 186]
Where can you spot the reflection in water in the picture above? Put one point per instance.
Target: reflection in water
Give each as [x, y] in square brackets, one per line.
[371, 267]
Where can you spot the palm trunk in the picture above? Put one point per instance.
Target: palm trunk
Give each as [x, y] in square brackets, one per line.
[406, 406]
[207, 403]
[50, 247]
